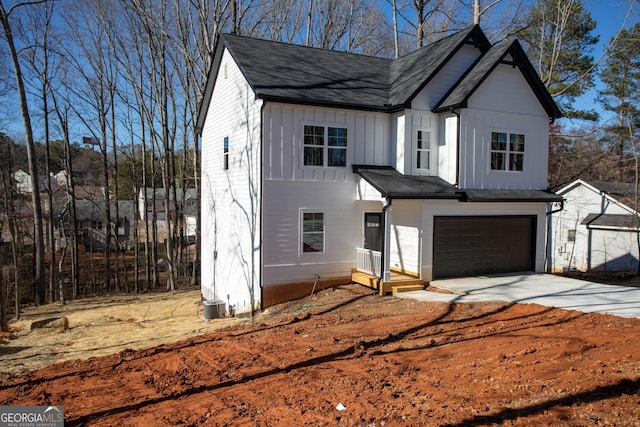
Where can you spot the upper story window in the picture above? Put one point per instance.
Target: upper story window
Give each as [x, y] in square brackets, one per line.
[225, 160]
[324, 146]
[423, 149]
[507, 151]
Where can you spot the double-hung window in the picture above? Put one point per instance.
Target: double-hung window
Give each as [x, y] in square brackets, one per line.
[324, 146]
[312, 238]
[423, 150]
[507, 151]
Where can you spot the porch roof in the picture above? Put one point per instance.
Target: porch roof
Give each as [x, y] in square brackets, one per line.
[510, 196]
[391, 183]
[613, 221]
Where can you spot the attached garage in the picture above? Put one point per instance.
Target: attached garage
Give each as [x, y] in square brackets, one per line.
[476, 245]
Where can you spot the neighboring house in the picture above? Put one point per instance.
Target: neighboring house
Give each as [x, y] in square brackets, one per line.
[319, 167]
[598, 228]
[23, 182]
[157, 197]
[79, 178]
[190, 223]
[90, 220]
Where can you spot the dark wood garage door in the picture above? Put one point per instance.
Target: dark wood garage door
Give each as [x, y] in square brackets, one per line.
[468, 246]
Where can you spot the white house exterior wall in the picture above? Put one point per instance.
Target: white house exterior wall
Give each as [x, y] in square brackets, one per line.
[406, 238]
[291, 188]
[607, 245]
[284, 261]
[503, 103]
[368, 141]
[231, 198]
[413, 120]
[433, 208]
[437, 88]
[447, 149]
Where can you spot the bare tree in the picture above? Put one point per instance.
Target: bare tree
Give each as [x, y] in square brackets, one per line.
[38, 26]
[39, 268]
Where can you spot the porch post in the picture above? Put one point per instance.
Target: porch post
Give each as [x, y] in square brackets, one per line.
[386, 261]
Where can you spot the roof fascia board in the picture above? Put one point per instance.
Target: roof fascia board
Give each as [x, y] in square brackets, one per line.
[611, 228]
[209, 85]
[574, 184]
[283, 100]
[521, 61]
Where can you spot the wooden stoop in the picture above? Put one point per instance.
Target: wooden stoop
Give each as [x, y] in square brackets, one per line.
[399, 282]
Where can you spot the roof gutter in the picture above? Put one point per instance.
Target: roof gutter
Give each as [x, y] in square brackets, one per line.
[261, 208]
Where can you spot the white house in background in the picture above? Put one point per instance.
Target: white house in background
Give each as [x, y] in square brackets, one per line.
[598, 228]
[23, 182]
[323, 167]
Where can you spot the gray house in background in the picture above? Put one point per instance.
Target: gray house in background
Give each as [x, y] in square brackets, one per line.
[90, 220]
[157, 196]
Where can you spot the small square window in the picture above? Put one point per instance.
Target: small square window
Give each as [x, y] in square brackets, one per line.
[571, 235]
[507, 151]
[320, 143]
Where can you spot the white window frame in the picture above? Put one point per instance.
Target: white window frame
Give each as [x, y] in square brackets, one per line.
[417, 150]
[325, 147]
[508, 151]
[304, 233]
[225, 153]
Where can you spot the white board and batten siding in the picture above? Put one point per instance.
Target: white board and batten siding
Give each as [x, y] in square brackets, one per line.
[230, 205]
[442, 82]
[503, 103]
[368, 141]
[290, 188]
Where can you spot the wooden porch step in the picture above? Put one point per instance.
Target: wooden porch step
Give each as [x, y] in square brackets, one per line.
[407, 288]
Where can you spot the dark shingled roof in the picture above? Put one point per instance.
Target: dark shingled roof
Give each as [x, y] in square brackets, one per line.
[511, 196]
[295, 73]
[391, 183]
[299, 74]
[616, 221]
[624, 192]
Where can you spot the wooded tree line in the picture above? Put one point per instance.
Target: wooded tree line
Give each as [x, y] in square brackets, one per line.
[127, 76]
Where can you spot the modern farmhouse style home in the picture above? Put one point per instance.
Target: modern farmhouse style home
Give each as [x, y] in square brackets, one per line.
[323, 167]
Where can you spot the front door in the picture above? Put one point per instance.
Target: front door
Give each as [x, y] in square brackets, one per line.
[373, 231]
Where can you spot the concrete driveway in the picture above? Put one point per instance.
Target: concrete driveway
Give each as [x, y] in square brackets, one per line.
[543, 289]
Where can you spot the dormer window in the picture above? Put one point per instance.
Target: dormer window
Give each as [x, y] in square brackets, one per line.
[507, 151]
[325, 146]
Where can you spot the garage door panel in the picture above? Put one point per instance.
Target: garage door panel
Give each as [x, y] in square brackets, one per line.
[482, 245]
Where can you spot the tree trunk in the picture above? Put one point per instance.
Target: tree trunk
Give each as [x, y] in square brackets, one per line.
[39, 267]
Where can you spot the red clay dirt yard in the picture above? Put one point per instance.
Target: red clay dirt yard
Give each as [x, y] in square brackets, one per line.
[347, 357]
